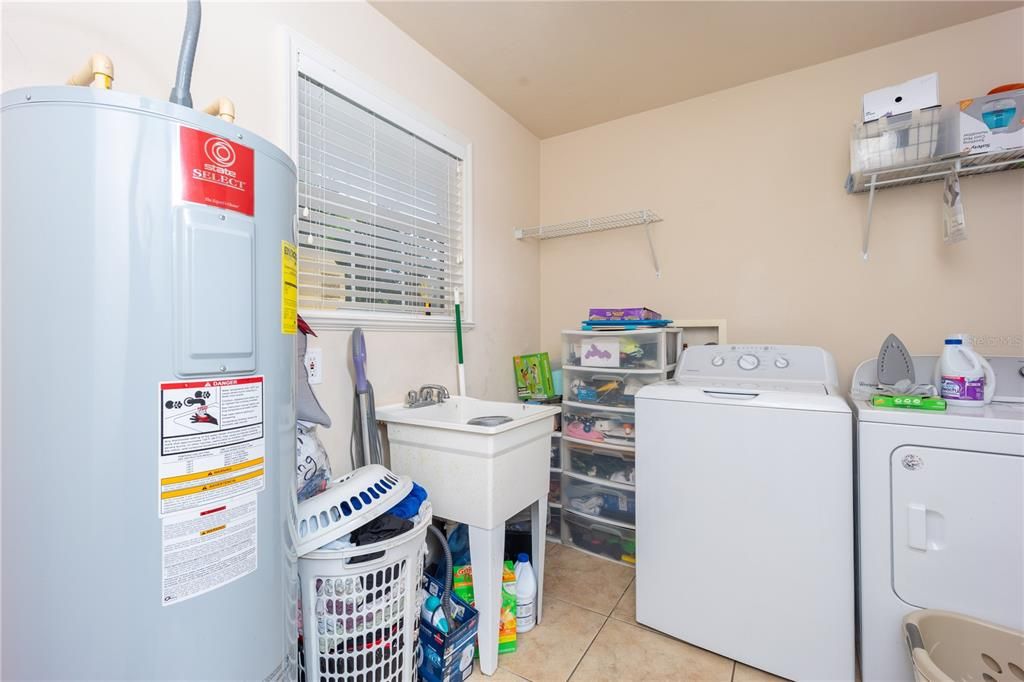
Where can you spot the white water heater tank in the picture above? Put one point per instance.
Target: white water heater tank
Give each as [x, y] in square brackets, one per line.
[148, 419]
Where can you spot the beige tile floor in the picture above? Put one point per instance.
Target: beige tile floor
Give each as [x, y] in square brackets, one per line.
[589, 632]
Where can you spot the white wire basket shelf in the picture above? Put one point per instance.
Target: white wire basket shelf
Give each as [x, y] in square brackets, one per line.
[608, 222]
[643, 217]
[933, 169]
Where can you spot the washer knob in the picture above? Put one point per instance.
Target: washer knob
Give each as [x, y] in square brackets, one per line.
[748, 362]
[781, 363]
[717, 361]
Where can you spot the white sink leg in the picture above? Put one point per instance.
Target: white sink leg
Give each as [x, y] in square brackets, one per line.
[538, 529]
[486, 554]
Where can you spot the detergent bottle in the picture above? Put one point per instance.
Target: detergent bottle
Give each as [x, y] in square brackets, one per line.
[963, 377]
[526, 594]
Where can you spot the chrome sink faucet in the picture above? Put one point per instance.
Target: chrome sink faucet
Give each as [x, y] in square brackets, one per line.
[428, 394]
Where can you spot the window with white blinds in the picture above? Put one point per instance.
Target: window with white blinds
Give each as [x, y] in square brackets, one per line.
[381, 211]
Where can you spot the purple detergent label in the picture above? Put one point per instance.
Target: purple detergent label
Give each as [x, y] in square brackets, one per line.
[962, 388]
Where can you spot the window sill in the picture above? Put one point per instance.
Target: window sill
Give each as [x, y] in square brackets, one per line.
[342, 320]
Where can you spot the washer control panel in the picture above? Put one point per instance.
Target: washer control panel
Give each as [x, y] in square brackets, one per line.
[791, 363]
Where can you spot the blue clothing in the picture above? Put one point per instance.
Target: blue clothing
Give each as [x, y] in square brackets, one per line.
[410, 504]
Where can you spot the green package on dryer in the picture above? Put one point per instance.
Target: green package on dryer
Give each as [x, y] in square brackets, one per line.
[913, 402]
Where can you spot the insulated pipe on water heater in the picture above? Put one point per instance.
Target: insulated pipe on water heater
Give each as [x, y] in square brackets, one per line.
[181, 93]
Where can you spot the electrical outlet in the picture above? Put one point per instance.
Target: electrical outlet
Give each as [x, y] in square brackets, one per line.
[314, 362]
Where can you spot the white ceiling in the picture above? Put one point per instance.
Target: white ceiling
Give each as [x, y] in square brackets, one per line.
[561, 66]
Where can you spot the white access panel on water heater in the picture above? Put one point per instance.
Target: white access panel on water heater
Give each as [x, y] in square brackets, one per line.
[940, 498]
[215, 299]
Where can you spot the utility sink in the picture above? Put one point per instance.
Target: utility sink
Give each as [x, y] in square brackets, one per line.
[480, 475]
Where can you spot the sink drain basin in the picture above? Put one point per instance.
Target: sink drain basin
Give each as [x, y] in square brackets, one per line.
[496, 420]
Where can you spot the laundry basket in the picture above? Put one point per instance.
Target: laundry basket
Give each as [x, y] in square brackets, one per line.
[360, 620]
[949, 647]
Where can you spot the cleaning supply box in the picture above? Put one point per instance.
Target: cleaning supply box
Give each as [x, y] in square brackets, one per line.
[447, 654]
[993, 123]
[463, 587]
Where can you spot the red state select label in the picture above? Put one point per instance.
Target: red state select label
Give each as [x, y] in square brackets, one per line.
[216, 172]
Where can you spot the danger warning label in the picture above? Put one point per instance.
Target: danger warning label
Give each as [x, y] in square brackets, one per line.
[211, 442]
[216, 172]
[207, 548]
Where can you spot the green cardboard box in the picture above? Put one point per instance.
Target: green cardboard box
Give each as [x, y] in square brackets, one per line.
[533, 376]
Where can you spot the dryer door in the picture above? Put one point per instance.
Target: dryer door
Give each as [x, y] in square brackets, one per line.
[958, 532]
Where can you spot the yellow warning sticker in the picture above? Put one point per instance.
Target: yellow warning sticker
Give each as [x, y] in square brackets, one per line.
[211, 442]
[289, 287]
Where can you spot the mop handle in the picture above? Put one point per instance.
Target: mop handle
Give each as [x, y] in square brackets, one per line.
[458, 329]
[458, 341]
[359, 360]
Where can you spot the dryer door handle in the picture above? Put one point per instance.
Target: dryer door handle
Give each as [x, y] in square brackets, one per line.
[917, 526]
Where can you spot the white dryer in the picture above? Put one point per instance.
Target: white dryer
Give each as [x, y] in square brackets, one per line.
[940, 505]
[744, 509]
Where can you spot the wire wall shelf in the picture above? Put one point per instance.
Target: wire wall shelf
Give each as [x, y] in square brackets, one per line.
[930, 170]
[609, 222]
[934, 169]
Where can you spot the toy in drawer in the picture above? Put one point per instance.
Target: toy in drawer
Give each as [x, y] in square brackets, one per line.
[594, 462]
[597, 426]
[607, 390]
[595, 499]
[624, 351]
[593, 536]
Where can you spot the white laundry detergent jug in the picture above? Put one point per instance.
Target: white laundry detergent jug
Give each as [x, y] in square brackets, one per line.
[526, 594]
[963, 377]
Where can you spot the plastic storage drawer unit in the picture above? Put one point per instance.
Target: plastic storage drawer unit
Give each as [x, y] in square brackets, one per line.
[605, 389]
[595, 462]
[556, 451]
[555, 524]
[607, 501]
[640, 349]
[602, 539]
[598, 426]
[555, 488]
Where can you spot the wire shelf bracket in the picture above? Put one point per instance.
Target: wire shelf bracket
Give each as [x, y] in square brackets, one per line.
[643, 217]
[930, 171]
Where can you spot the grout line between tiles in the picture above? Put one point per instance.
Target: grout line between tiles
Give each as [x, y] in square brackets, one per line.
[622, 596]
[732, 675]
[587, 650]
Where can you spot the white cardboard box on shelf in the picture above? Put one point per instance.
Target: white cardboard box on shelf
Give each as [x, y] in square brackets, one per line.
[980, 125]
[917, 93]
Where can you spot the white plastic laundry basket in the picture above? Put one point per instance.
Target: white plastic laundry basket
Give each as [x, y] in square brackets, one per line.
[360, 620]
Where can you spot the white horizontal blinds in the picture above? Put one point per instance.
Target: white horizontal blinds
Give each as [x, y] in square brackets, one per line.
[380, 211]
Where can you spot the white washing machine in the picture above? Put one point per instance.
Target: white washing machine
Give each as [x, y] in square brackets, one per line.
[940, 513]
[744, 509]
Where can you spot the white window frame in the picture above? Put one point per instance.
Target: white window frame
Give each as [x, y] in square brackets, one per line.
[345, 79]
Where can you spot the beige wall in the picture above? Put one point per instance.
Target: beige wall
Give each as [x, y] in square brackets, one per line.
[239, 57]
[758, 228]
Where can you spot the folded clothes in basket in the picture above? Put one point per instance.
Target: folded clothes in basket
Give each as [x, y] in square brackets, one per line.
[588, 505]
